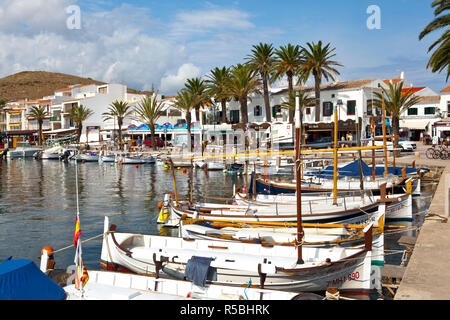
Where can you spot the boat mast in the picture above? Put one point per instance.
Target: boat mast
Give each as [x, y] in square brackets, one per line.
[358, 143]
[384, 137]
[298, 181]
[335, 153]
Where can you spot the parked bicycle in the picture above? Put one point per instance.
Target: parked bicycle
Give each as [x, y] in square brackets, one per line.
[439, 152]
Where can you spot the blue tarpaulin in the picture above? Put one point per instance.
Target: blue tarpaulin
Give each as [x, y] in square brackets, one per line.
[21, 279]
[352, 170]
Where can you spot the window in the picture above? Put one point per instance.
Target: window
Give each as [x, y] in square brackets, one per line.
[276, 109]
[234, 116]
[308, 110]
[103, 90]
[448, 106]
[429, 110]
[412, 112]
[351, 107]
[327, 109]
[257, 111]
[369, 107]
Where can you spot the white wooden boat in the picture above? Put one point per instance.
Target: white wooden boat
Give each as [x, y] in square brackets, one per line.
[347, 210]
[23, 150]
[86, 157]
[399, 209]
[51, 153]
[272, 267]
[109, 285]
[108, 158]
[128, 159]
[215, 165]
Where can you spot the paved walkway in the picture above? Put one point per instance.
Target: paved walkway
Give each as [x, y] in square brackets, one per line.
[427, 276]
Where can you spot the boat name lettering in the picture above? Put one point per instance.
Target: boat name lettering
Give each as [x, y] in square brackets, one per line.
[341, 280]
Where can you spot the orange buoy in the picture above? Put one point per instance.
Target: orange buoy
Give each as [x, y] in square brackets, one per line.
[83, 161]
[49, 251]
[160, 204]
[137, 166]
[184, 170]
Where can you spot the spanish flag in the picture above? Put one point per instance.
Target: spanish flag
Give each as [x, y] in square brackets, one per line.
[77, 233]
[82, 274]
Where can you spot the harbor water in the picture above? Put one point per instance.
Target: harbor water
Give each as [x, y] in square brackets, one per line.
[38, 205]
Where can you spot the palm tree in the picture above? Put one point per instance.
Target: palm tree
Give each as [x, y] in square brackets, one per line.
[149, 111]
[396, 101]
[39, 113]
[199, 89]
[216, 83]
[243, 81]
[262, 61]
[304, 100]
[318, 63]
[186, 101]
[78, 114]
[118, 110]
[440, 59]
[288, 62]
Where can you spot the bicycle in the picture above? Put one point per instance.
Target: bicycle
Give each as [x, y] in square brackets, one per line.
[439, 152]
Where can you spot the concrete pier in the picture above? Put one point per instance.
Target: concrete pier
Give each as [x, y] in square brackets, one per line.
[427, 275]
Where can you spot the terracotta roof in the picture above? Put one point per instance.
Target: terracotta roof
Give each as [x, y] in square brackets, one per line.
[413, 90]
[446, 89]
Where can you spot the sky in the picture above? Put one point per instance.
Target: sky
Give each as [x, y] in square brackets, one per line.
[160, 44]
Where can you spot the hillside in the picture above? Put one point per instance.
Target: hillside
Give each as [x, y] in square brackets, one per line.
[38, 84]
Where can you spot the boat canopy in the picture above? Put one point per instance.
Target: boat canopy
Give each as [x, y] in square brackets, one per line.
[21, 279]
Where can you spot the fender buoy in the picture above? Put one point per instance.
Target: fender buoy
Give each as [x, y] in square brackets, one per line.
[160, 204]
[184, 170]
[49, 250]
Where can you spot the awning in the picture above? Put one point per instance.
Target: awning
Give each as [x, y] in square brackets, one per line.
[414, 124]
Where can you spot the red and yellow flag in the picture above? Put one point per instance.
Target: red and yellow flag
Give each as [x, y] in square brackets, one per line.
[77, 233]
[82, 276]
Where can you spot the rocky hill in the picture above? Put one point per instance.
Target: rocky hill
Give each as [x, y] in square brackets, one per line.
[38, 84]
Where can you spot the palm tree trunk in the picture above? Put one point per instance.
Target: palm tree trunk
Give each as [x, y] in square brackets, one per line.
[120, 137]
[197, 114]
[152, 136]
[396, 132]
[80, 130]
[40, 133]
[317, 96]
[266, 99]
[188, 123]
[244, 110]
[290, 89]
[224, 110]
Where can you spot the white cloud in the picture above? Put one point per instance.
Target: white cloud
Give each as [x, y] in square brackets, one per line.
[125, 43]
[174, 82]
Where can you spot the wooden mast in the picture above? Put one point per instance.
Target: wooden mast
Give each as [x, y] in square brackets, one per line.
[335, 153]
[298, 181]
[384, 138]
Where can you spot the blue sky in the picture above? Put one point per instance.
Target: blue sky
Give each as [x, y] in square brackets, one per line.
[161, 43]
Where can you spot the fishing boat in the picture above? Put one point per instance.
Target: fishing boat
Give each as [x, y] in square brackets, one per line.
[110, 285]
[138, 159]
[108, 158]
[399, 208]
[269, 266]
[23, 150]
[50, 154]
[86, 157]
[394, 184]
[215, 166]
[348, 209]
